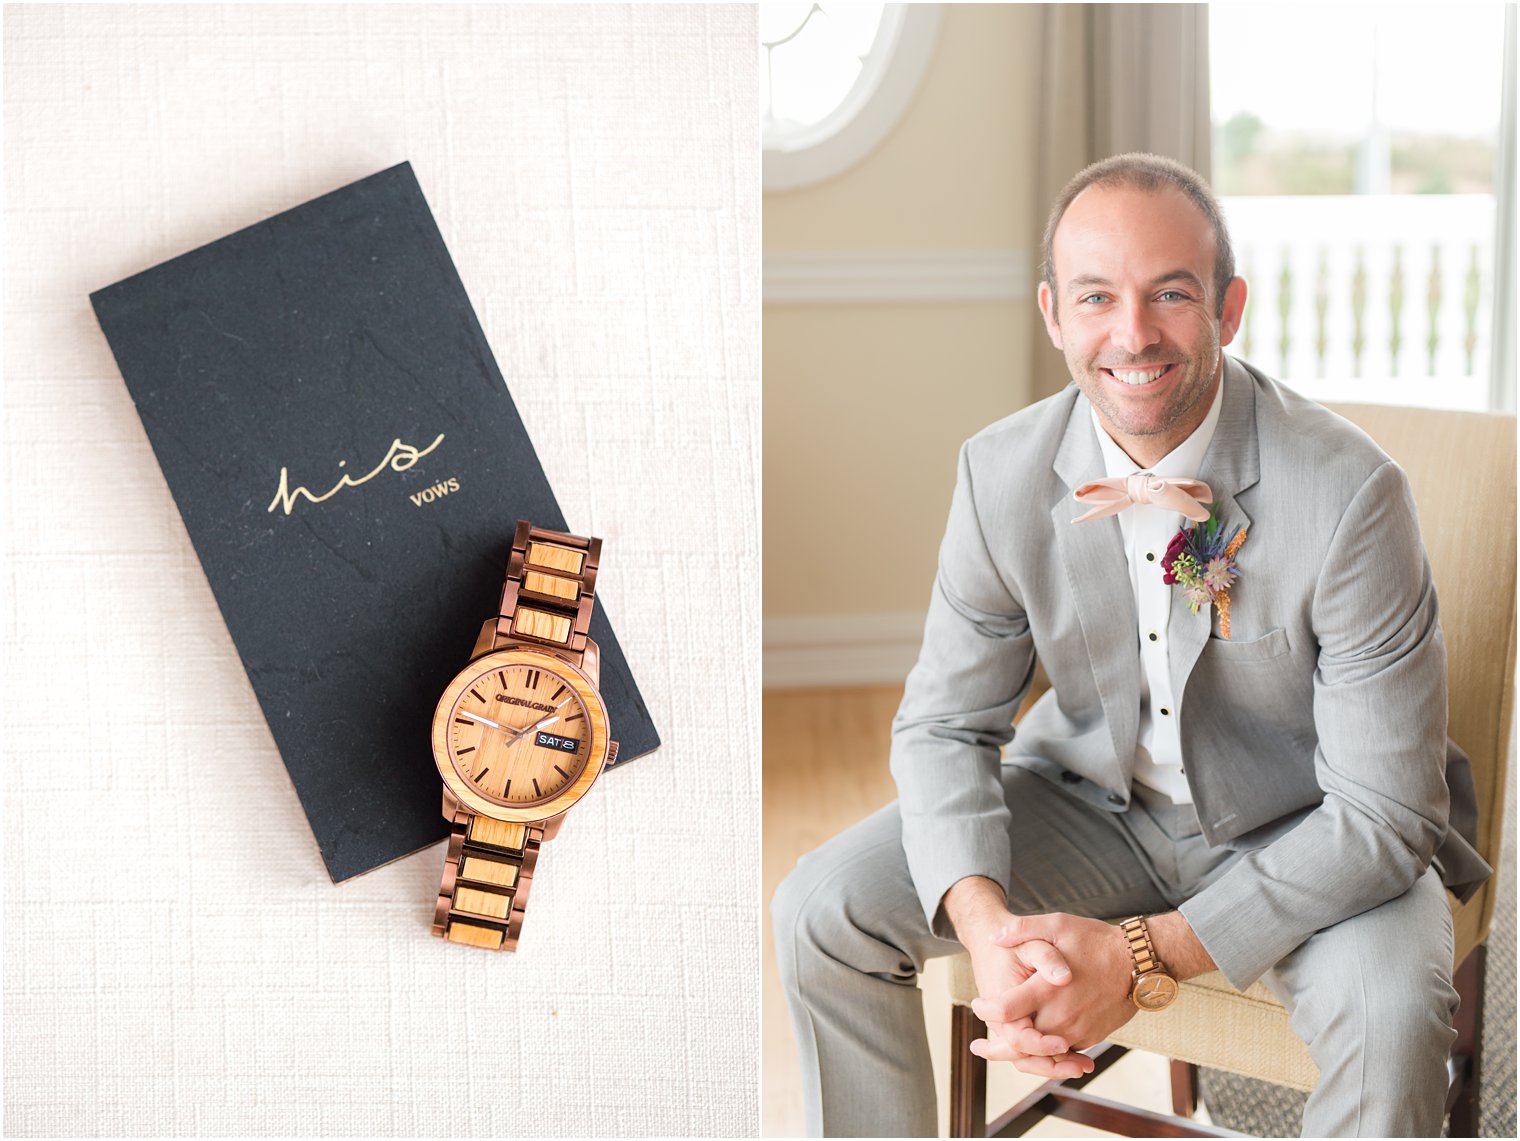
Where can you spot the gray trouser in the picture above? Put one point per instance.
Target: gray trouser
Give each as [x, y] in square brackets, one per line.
[1371, 996]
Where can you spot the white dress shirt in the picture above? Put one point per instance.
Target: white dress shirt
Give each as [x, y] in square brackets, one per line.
[1146, 531]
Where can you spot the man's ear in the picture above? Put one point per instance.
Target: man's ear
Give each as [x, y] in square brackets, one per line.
[1234, 309]
[1048, 311]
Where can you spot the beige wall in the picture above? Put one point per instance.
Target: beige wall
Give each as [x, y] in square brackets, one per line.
[866, 404]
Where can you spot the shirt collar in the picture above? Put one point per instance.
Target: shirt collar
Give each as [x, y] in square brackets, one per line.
[1182, 462]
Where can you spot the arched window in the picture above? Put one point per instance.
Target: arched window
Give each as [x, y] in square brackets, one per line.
[835, 80]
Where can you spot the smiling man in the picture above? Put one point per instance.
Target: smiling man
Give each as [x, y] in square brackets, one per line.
[1243, 754]
[1142, 329]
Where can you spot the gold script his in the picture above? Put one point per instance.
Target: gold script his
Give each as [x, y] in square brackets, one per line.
[400, 458]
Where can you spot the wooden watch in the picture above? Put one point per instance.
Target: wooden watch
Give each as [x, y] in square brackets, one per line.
[1151, 986]
[519, 736]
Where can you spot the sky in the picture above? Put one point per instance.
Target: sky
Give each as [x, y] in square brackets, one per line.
[1301, 65]
[815, 68]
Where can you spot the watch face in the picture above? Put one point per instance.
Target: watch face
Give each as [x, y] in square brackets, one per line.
[519, 734]
[1155, 991]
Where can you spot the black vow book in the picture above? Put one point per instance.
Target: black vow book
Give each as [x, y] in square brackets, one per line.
[350, 468]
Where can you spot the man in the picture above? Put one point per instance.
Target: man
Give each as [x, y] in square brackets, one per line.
[1250, 755]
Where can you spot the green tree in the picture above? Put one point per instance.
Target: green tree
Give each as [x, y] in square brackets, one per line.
[1237, 138]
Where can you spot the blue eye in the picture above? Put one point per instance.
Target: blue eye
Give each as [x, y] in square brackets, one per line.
[1173, 293]
[1095, 297]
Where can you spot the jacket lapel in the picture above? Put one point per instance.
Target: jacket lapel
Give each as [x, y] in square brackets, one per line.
[1093, 556]
[1230, 466]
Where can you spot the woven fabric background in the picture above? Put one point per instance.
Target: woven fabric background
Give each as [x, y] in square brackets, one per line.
[176, 959]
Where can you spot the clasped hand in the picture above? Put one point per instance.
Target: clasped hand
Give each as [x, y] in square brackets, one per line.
[1049, 986]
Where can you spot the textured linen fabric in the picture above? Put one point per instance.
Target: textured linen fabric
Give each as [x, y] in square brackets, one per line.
[176, 959]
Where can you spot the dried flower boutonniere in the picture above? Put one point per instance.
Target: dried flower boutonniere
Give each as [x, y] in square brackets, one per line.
[1202, 560]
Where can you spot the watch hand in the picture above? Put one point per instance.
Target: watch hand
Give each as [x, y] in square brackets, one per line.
[520, 734]
[485, 721]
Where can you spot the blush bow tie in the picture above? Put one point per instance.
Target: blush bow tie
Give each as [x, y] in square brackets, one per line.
[1111, 496]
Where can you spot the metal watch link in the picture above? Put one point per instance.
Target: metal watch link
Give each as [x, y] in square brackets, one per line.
[1151, 987]
[519, 735]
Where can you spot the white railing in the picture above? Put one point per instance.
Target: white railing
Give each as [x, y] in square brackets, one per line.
[1382, 299]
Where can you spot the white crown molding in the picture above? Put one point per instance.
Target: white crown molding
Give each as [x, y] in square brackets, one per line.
[840, 649]
[869, 113]
[841, 277]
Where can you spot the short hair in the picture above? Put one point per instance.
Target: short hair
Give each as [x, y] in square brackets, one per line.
[1148, 172]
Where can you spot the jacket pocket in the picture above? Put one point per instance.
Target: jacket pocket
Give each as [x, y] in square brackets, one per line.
[1272, 644]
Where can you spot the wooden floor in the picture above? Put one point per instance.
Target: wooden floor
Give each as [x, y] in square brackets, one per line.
[825, 768]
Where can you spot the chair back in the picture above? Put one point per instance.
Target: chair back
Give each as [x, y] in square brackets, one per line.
[1461, 466]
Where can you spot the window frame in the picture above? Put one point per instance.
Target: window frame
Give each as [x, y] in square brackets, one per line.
[889, 78]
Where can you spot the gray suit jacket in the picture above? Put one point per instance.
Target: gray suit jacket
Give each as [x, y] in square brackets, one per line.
[1315, 737]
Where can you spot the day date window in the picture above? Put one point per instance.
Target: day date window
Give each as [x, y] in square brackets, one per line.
[563, 744]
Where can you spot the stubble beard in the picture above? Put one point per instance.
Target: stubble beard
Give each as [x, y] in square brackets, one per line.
[1186, 393]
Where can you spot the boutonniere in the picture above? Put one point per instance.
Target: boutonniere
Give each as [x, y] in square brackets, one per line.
[1201, 559]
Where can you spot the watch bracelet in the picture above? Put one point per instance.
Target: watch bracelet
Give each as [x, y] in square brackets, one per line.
[546, 600]
[549, 591]
[1142, 951]
[487, 875]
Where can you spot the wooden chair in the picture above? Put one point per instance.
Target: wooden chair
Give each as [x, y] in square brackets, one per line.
[1462, 468]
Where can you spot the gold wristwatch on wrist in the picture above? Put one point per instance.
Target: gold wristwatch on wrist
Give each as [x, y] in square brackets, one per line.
[519, 735]
[1151, 987]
